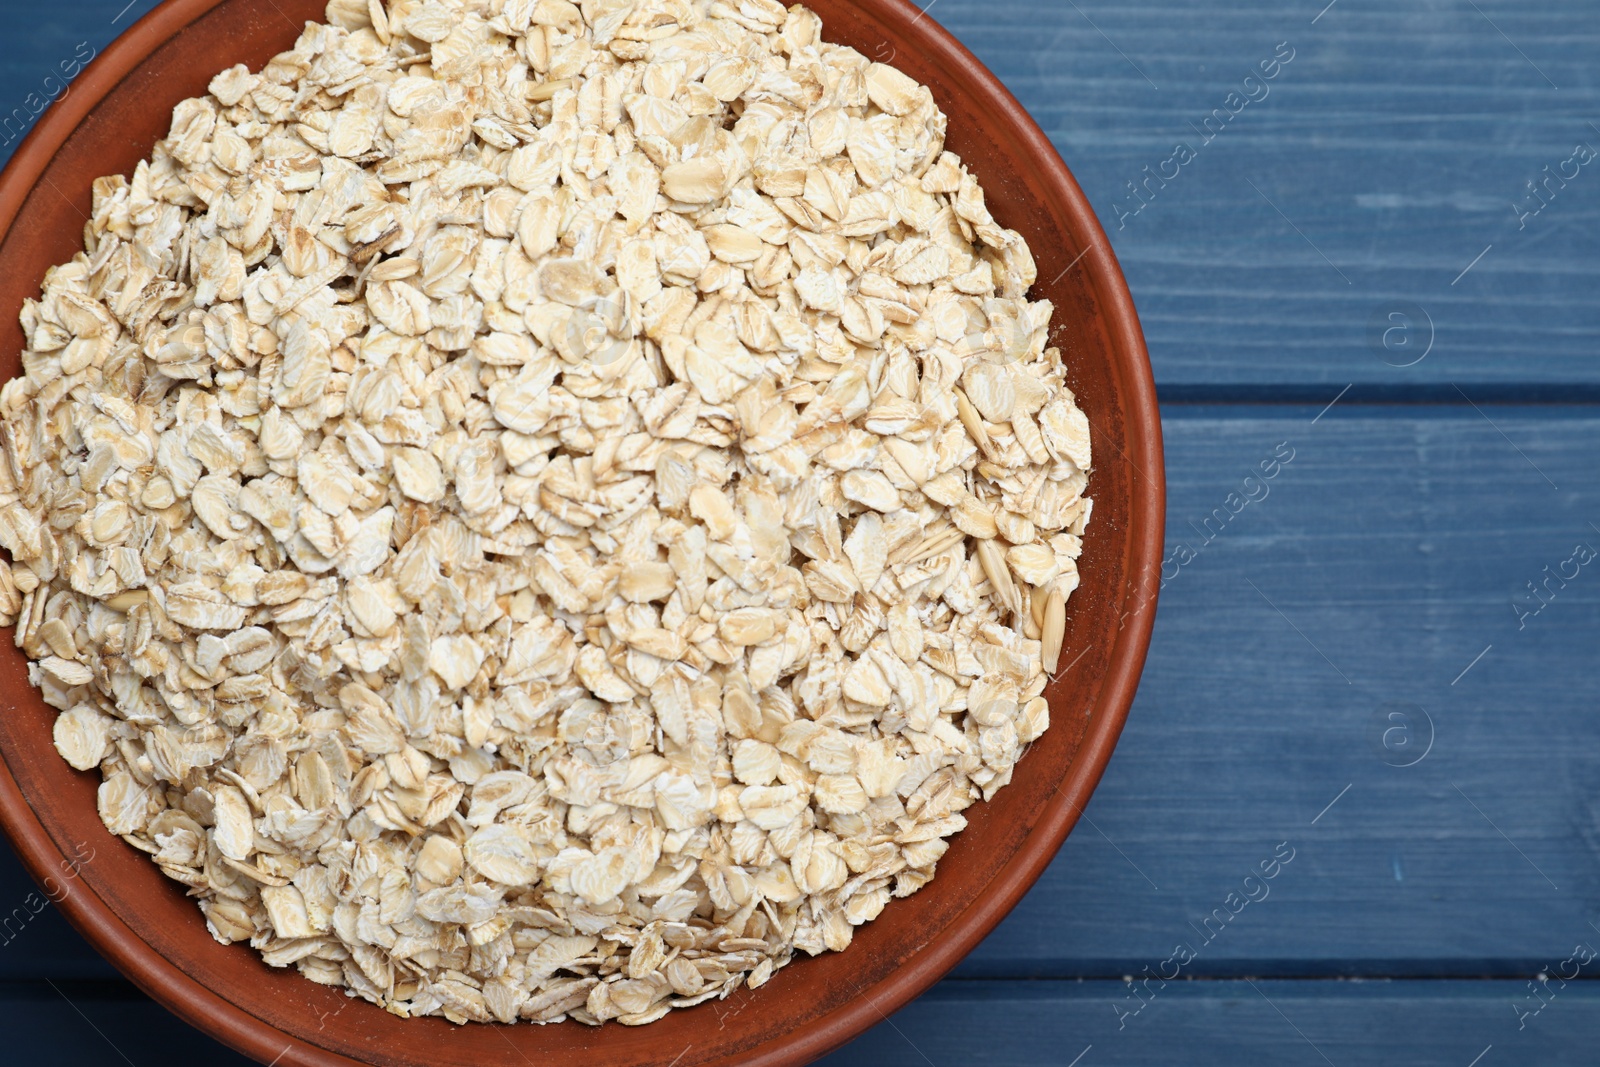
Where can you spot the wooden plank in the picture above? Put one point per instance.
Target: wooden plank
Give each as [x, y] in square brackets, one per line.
[1293, 1024]
[1385, 559]
[1386, 570]
[1393, 144]
[1017, 1024]
[1394, 541]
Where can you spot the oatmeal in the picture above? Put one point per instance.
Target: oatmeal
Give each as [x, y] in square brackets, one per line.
[543, 510]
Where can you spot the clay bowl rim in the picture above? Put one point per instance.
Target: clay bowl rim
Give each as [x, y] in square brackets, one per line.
[1141, 549]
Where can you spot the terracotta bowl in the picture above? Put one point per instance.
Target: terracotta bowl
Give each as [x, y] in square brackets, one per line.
[145, 925]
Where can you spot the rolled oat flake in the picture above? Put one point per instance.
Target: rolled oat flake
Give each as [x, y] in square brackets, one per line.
[544, 510]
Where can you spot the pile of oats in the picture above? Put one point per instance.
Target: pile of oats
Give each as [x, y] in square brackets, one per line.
[541, 510]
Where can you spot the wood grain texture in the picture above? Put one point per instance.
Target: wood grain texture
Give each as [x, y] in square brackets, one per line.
[1385, 156]
[1393, 145]
[1286, 1024]
[1393, 546]
[1018, 1024]
[1394, 549]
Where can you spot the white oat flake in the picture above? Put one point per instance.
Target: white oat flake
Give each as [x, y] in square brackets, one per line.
[543, 510]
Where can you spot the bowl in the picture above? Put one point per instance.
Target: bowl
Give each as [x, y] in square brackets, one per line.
[145, 925]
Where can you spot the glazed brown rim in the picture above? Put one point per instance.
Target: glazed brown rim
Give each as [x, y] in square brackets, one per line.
[1142, 548]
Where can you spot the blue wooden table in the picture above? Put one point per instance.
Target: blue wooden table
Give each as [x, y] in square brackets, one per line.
[1378, 676]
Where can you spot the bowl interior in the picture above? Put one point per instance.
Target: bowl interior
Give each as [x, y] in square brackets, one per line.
[143, 921]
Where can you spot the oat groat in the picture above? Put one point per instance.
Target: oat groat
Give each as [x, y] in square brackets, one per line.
[542, 510]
